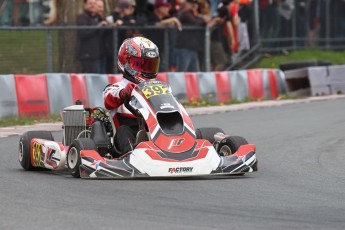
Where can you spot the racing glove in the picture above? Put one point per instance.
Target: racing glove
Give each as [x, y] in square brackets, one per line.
[127, 91]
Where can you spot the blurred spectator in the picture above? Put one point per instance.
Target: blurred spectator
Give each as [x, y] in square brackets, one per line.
[189, 43]
[215, 4]
[219, 43]
[286, 9]
[204, 10]
[316, 20]
[123, 15]
[161, 17]
[99, 8]
[245, 27]
[88, 40]
[176, 7]
[301, 22]
[270, 19]
[233, 9]
[142, 8]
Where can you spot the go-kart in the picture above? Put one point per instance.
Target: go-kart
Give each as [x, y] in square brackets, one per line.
[167, 145]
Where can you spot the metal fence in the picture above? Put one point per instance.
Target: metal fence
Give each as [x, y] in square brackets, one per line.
[302, 24]
[54, 49]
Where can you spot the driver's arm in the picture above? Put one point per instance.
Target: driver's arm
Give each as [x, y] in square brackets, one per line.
[115, 94]
[111, 96]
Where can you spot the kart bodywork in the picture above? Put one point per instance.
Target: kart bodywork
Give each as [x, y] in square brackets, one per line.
[167, 145]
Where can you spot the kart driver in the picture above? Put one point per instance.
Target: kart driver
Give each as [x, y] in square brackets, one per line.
[138, 61]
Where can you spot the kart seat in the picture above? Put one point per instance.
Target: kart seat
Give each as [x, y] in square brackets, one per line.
[100, 137]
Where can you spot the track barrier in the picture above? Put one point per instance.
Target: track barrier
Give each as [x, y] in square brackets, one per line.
[315, 81]
[8, 97]
[32, 95]
[43, 94]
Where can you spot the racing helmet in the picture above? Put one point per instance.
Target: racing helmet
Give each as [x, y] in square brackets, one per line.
[138, 59]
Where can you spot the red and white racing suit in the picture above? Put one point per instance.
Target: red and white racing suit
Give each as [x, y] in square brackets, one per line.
[125, 122]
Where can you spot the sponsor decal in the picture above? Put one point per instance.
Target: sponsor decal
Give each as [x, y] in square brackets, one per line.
[36, 153]
[49, 158]
[151, 54]
[175, 142]
[180, 170]
[166, 106]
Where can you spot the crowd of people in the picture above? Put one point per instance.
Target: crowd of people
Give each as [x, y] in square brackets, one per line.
[95, 48]
[309, 17]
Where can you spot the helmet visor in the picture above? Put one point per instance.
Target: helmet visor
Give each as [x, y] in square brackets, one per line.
[145, 65]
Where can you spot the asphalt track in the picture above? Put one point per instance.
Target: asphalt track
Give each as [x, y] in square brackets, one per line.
[300, 183]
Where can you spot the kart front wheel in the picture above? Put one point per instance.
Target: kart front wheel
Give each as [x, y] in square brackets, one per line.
[230, 145]
[73, 155]
[24, 150]
[207, 133]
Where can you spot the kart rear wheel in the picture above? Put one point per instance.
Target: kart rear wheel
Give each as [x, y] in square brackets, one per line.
[230, 145]
[24, 149]
[73, 155]
[207, 133]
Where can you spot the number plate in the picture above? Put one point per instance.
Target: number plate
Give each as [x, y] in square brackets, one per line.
[154, 90]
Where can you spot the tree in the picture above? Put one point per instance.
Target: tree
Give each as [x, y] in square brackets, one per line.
[67, 13]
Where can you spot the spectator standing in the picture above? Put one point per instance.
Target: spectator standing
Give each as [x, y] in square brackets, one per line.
[215, 4]
[286, 9]
[189, 43]
[161, 17]
[88, 40]
[316, 20]
[301, 22]
[123, 15]
[233, 9]
[99, 8]
[244, 27]
[219, 43]
[176, 7]
[269, 18]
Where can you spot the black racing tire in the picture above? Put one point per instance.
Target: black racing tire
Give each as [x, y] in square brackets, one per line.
[230, 145]
[24, 149]
[73, 156]
[207, 133]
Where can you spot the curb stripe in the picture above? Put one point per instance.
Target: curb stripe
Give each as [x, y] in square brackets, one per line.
[192, 86]
[79, 90]
[8, 96]
[207, 87]
[256, 84]
[223, 86]
[59, 91]
[32, 95]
